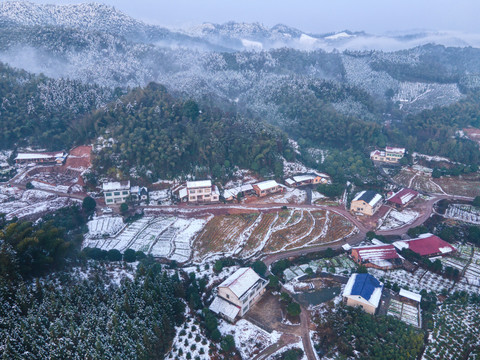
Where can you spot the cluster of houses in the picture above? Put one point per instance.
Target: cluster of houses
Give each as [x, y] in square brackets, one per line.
[368, 202]
[386, 256]
[203, 191]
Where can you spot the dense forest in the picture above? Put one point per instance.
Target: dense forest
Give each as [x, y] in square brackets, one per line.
[78, 309]
[40, 111]
[163, 137]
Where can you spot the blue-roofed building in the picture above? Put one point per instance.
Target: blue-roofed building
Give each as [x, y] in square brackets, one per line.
[363, 290]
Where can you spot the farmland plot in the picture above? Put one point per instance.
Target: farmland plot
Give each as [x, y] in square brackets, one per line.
[455, 331]
[396, 219]
[407, 313]
[222, 234]
[467, 213]
[248, 234]
[169, 237]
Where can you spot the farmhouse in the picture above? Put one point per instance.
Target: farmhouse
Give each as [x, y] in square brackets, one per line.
[390, 155]
[426, 245]
[401, 198]
[200, 192]
[307, 179]
[384, 257]
[366, 202]
[265, 188]
[363, 290]
[238, 293]
[116, 192]
[139, 193]
[231, 194]
[41, 158]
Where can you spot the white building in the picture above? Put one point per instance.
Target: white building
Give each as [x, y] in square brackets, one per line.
[200, 191]
[265, 188]
[364, 291]
[116, 192]
[238, 293]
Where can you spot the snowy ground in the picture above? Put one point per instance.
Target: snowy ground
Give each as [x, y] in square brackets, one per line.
[57, 188]
[467, 213]
[169, 237]
[189, 339]
[30, 202]
[295, 345]
[104, 225]
[295, 168]
[289, 196]
[396, 219]
[249, 338]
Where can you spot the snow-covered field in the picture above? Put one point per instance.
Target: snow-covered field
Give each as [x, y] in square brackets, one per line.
[30, 202]
[396, 219]
[467, 213]
[405, 312]
[249, 338]
[43, 186]
[104, 225]
[169, 237]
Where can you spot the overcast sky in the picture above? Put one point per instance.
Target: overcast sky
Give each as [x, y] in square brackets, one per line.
[315, 16]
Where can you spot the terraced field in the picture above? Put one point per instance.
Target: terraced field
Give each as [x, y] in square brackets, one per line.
[248, 234]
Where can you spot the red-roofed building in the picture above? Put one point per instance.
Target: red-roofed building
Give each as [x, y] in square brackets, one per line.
[402, 197]
[382, 257]
[426, 245]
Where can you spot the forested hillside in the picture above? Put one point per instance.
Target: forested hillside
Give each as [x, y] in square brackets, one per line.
[158, 136]
[39, 111]
[77, 310]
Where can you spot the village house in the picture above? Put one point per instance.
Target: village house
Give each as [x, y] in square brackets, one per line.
[201, 191]
[364, 291]
[231, 194]
[401, 198]
[383, 257]
[268, 187]
[116, 192]
[426, 245]
[139, 193]
[390, 155]
[237, 294]
[366, 202]
[307, 179]
[41, 158]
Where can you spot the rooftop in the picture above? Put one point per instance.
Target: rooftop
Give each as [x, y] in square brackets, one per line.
[377, 252]
[221, 306]
[241, 281]
[369, 196]
[426, 245]
[116, 185]
[43, 155]
[403, 196]
[410, 295]
[199, 184]
[395, 150]
[366, 286]
[264, 185]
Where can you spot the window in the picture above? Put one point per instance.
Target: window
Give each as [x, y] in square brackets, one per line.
[108, 194]
[124, 192]
[228, 296]
[116, 193]
[200, 191]
[193, 198]
[109, 200]
[245, 309]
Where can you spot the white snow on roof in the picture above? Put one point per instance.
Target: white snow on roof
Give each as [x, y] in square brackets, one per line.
[290, 181]
[375, 200]
[221, 306]
[241, 280]
[135, 189]
[395, 150]
[29, 156]
[375, 298]
[400, 245]
[380, 262]
[182, 193]
[301, 178]
[346, 247]
[445, 250]
[358, 196]
[264, 185]
[348, 288]
[410, 295]
[377, 242]
[198, 184]
[116, 185]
